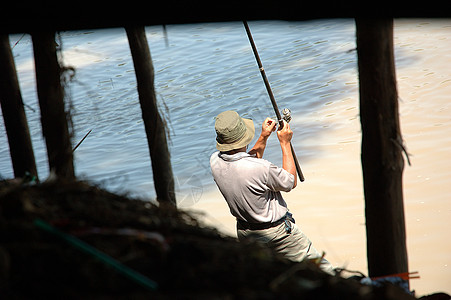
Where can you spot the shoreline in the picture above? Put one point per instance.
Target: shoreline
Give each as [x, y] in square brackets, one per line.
[329, 205]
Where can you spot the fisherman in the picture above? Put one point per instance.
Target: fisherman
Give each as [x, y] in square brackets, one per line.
[251, 186]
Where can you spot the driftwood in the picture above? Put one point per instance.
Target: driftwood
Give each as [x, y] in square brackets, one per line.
[22, 155]
[51, 101]
[153, 123]
[382, 161]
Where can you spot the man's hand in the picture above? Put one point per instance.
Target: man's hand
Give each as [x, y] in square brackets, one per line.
[269, 125]
[285, 133]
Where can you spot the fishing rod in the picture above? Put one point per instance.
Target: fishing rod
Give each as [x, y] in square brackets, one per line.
[271, 96]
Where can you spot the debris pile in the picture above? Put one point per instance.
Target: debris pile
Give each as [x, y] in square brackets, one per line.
[74, 240]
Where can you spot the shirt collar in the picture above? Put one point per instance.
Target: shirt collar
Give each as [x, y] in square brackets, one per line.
[234, 157]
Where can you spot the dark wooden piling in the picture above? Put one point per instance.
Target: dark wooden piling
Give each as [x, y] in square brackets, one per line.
[153, 123]
[51, 101]
[20, 147]
[382, 160]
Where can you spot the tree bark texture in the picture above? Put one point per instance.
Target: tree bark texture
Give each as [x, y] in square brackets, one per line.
[20, 147]
[51, 101]
[153, 123]
[382, 161]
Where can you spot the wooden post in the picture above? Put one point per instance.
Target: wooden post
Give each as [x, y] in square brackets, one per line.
[51, 102]
[16, 126]
[382, 160]
[154, 125]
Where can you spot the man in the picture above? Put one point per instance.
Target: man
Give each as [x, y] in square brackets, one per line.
[251, 186]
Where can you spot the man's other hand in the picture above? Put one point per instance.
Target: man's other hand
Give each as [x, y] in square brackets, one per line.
[269, 125]
[285, 133]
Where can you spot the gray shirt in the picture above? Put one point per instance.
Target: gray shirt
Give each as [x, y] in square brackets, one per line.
[251, 186]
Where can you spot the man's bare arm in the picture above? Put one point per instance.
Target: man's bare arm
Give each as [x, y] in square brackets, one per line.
[285, 134]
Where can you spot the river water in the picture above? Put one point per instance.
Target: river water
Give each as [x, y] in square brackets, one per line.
[204, 69]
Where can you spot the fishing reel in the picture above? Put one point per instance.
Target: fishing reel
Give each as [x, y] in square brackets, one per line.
[286, 115]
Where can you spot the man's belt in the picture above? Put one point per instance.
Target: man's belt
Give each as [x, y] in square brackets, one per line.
[259, 226]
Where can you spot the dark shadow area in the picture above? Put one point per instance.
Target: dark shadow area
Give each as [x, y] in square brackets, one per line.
[73, 240]
[57, 15]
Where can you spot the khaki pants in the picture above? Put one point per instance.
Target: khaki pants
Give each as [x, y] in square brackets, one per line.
[295, 245]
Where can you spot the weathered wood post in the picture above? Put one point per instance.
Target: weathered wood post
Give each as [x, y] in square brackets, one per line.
[382, 160]
[51, 102]
[154, 125]
[20, 147]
